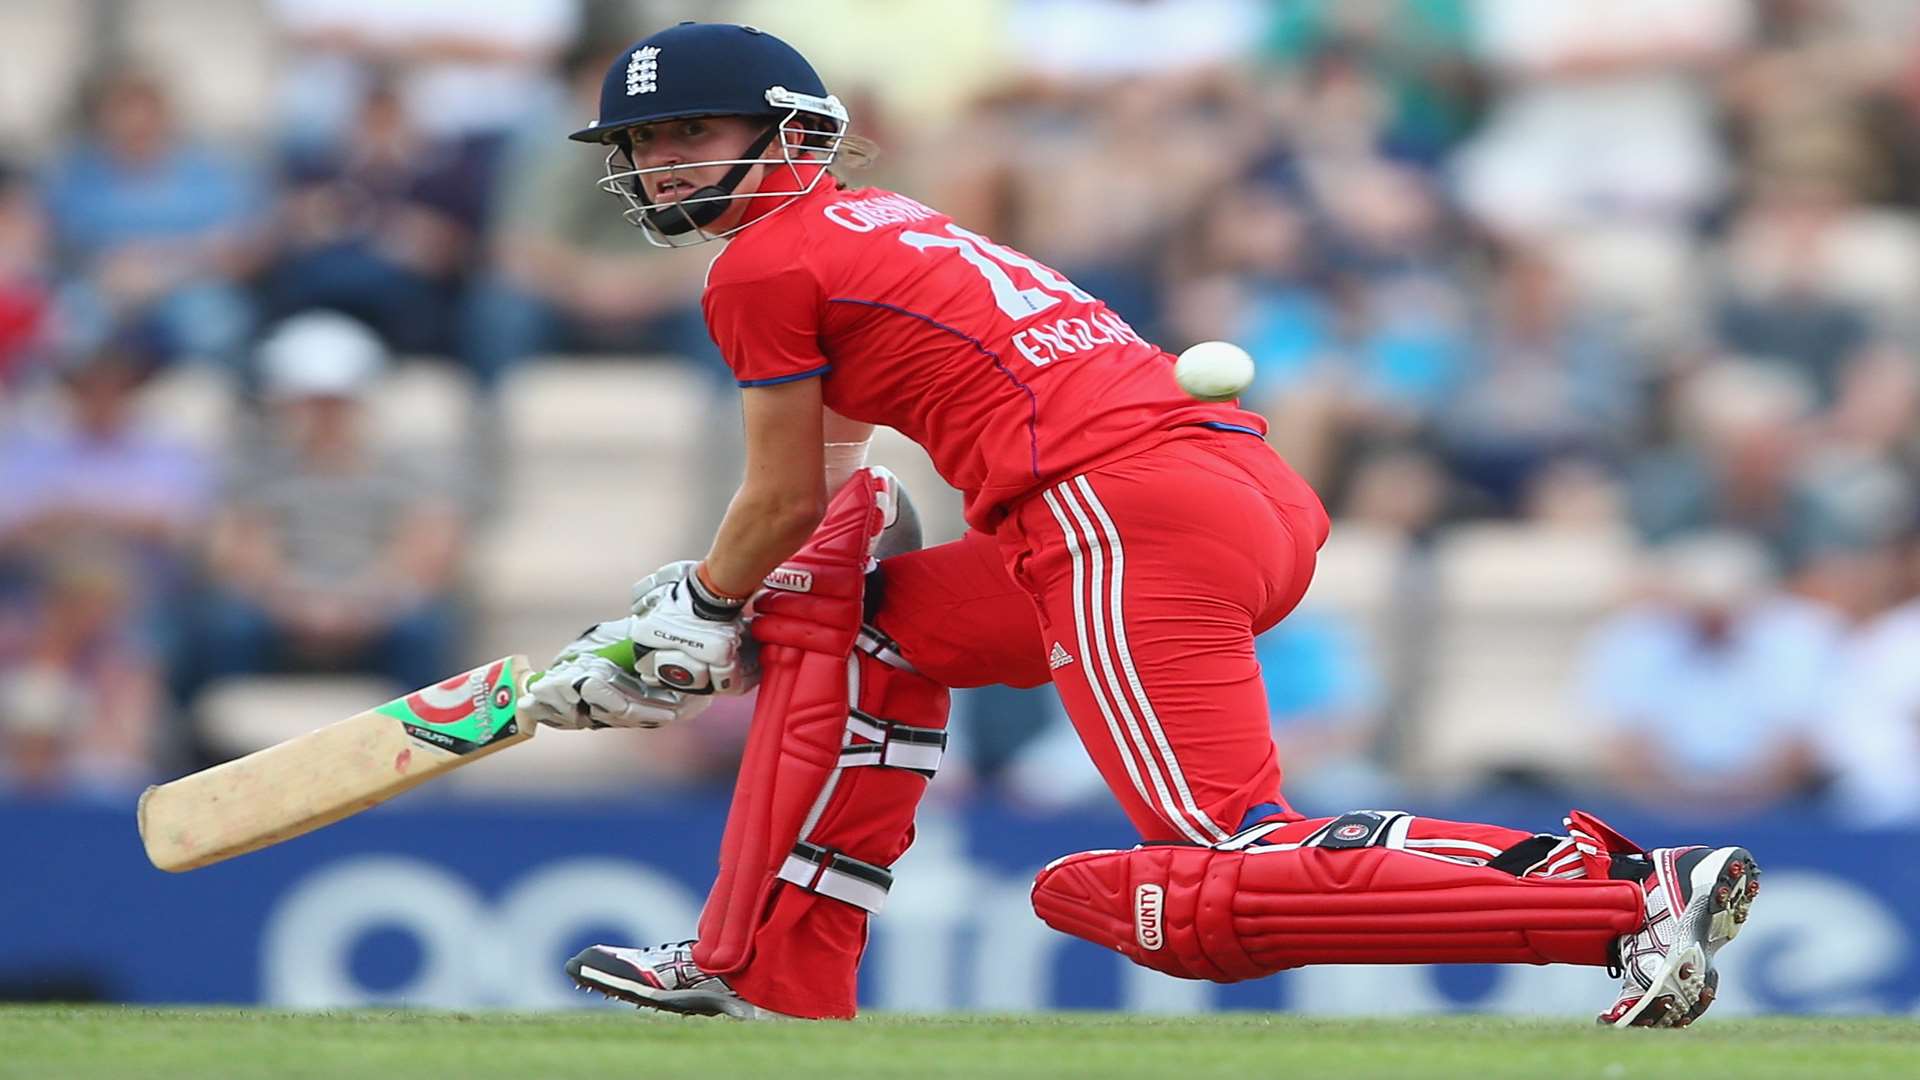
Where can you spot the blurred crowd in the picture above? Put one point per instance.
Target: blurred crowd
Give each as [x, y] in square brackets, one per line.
[1601, 266]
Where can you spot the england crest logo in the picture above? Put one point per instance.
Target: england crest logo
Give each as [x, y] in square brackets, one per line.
[643, 71]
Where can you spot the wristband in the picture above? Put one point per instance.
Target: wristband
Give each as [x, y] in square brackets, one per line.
[711, 603]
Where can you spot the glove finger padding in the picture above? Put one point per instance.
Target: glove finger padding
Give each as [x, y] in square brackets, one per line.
[594, 692]
[543, 704]
[615, 698]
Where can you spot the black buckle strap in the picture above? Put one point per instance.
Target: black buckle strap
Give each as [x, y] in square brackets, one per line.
[882, 648]
[1357, 829]
[899, 746]
[831, 872]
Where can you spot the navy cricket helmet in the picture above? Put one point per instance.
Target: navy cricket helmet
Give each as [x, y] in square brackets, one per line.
[712, 69]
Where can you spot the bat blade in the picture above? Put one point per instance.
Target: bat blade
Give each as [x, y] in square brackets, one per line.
[337, 771]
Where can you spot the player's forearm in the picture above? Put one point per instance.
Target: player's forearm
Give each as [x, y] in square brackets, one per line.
[760, 531]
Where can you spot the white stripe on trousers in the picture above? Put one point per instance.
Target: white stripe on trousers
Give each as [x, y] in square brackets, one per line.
[1086, 653]
[1103, 678]
[1126, 663]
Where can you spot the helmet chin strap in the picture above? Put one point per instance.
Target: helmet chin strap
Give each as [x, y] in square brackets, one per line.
[675, 219]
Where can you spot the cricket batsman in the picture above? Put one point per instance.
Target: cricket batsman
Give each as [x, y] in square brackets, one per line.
[1126, 542]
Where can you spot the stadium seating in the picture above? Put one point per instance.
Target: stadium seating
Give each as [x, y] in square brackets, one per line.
[1516, 602]
[242, 714]
[45, 52]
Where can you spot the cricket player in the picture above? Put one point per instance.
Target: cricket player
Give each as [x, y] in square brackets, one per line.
[1126, 542]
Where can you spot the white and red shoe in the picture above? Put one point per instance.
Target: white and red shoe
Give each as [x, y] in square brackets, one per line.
[1697, 899]
[663, 977]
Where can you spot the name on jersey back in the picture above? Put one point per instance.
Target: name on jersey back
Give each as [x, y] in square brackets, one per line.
[866, 215]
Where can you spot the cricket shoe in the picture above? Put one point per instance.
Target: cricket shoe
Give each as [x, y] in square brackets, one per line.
[663, 977]
[1697, 899]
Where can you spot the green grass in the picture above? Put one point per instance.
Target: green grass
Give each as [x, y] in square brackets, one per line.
[73, 1043]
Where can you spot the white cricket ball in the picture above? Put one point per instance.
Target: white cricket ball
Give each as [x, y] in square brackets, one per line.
[1214, 371]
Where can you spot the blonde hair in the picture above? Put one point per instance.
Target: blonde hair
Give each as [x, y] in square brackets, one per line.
[857, 152]
[853, 151]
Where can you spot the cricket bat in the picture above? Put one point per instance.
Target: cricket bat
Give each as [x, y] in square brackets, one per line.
[335, 772]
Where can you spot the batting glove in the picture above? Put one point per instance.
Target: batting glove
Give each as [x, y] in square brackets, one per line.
[684, 637]
[591, 691]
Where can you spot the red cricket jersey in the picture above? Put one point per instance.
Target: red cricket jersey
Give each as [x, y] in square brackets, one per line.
[1007, 374]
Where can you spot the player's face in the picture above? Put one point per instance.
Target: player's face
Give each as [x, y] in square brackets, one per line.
[694, 139]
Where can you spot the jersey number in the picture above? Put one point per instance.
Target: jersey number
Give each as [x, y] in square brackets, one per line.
[993, 262]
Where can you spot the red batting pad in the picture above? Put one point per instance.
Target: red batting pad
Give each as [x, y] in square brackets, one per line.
[1201, 913]
[799, 721]
[783, 947]
[804, 950]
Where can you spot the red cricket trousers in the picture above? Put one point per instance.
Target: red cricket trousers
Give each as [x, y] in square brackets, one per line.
[1137, 588]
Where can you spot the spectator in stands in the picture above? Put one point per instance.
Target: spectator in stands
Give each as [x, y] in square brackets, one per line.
[1742, 463]
[1077, 209]
[1708, 690]
[564, 279]
[1604, 115]
[81, 695]
[1055, 170]
[1402, 491]
[380, 226]
[1785, 296]
[1247, 270]
[150, 226]
[931, 58]
[331, 553]
[1098, 43]
[93, 470]
[1411, 57]
[461, 78]
[1405, 325]
[1870, 442]
[23, 272]
[1877, 408]
[1871, 746]
[1359, 327]
[1548, 381]
[1840, 67]
[33, 744]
